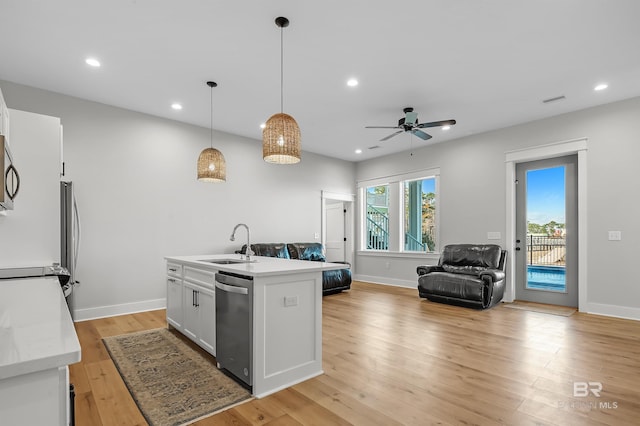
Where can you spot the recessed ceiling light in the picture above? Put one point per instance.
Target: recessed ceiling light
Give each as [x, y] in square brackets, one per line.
[446, 127]
[601, 86]
[92, 62]
[263, 125]
[176, 106]
[352, 82]
[358, 151]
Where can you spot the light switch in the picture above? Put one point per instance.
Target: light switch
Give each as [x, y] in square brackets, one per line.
[615, 235]
[494, 235]
[316, 235]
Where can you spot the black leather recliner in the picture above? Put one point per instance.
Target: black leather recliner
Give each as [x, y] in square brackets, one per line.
[471, 275]
[332, 281]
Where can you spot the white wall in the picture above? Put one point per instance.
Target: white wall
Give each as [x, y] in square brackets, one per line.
[473, 188]
[139, 200]
[30, 234]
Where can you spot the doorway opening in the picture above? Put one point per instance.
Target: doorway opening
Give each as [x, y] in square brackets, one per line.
[546, 239]
[559, 149]
[337, 226]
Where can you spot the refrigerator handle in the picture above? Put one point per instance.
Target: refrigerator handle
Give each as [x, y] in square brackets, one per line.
[77, 233]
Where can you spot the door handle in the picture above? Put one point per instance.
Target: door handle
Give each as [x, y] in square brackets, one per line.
[517, 248]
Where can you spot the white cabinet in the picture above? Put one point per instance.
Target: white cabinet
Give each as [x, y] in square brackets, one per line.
[174, 295]
[199, 319]
[174, 302]
[191, 304]
[37, 342]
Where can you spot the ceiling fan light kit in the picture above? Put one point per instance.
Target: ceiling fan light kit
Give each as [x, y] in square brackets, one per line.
[281, 134]
[409, 123]
[212, 166]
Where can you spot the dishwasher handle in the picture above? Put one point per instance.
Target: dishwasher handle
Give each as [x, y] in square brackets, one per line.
[232, 288]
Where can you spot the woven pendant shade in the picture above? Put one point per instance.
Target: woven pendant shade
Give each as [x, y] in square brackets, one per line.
[281, 134]
[211, 166]
[281, 140]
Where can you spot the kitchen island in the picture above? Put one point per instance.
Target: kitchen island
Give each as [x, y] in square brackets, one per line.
[286, 318]
[37, 343]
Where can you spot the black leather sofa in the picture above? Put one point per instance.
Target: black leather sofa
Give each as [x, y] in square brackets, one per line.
[332, 281]
[471, 275]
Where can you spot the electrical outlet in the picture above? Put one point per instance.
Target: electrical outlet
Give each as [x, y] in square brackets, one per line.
[493, 235]
[615, 235]
[291, 301]
[316, 235]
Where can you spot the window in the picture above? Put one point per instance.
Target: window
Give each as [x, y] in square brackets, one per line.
[377, 217]
[399, 213]
[420, 215]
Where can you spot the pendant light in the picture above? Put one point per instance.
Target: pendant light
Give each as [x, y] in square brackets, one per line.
[211, 163]
[281, 134]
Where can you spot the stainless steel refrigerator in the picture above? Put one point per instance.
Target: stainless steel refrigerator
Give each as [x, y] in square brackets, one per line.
[69, 239]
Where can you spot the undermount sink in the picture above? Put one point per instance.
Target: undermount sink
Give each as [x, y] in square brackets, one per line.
[226, 261]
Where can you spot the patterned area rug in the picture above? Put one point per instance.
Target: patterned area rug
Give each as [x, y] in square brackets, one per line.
[171, 383]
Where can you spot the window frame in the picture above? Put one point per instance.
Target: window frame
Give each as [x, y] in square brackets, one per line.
[396, 212]
[403, 233]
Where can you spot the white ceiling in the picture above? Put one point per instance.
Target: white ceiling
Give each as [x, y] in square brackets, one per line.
[488, 64]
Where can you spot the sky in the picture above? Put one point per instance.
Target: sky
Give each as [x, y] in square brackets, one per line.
[546, 195]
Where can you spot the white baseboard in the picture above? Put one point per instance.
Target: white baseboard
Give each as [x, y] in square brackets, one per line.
[614, 311]
[386, 281]
[115, 310]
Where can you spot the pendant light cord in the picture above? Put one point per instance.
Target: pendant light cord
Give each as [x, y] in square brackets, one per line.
[211, 127]
[281, 69]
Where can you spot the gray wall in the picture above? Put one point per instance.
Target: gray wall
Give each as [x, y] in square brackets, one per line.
[473, 187]
[135, 177]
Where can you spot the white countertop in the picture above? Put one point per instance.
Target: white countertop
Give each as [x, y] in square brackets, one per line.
[36, 330]
[259, 266]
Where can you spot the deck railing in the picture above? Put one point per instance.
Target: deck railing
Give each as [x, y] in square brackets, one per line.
[411, 243]
[546, 250]
[377, 229]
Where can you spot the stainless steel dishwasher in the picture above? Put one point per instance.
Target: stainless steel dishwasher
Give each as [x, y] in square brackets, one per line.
[234, 326]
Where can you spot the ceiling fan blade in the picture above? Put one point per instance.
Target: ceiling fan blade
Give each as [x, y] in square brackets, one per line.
[421, 134]
[381, 127]
[437, 124]
[392, 135]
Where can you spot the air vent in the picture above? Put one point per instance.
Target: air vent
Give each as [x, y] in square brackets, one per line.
[374, 147]
[557, 98]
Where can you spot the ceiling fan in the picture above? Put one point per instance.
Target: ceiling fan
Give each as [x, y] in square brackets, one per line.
[409, 123]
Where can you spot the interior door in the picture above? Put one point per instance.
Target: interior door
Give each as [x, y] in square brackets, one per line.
[546, 258]
[335, 242]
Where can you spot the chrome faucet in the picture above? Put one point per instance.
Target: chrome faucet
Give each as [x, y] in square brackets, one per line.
[249, 252]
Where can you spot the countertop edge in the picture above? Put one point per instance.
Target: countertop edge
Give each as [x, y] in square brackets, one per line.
[263, 267]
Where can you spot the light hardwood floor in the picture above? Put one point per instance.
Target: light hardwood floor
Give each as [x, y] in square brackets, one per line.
[391, 358]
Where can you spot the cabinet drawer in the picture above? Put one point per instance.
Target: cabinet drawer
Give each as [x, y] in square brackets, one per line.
[200, 276]
[174, 269]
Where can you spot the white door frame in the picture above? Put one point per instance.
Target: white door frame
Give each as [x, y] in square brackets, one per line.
[348, 200]
[575, 146]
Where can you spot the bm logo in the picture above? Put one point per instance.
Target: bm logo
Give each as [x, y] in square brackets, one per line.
[583, 389]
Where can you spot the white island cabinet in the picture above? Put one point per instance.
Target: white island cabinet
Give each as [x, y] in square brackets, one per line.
[37, 343]
[287, 313]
